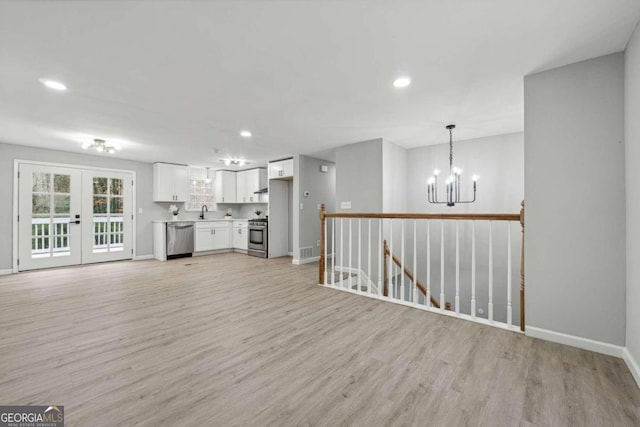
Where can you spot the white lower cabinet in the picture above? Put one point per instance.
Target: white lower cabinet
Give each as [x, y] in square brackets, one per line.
[240, 236]
[222, 235]
[204, 238]
[212, 235]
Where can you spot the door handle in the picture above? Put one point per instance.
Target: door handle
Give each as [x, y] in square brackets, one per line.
[77, 221]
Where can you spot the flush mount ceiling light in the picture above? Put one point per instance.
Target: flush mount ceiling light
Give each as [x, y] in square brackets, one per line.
[452, 187]
[52, 84]
[245, 134]
[100, 146]
[234, 162]
[402, 82]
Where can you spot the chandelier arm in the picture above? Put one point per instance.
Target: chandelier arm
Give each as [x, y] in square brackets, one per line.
[450, 150]
[474, 197]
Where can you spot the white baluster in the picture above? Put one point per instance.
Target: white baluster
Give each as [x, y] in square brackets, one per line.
[326, 260]
[369, 261]
[473, 269]
[359, 277]
[457, 300]
[402, 221]
[509, 308]
[428, 297]
[341, 253]
[333, 252]
[442, 265]
[415, 262]
[380, 249]
[490, 273]
[350, 246]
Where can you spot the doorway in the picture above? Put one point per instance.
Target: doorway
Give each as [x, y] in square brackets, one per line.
[70, 215]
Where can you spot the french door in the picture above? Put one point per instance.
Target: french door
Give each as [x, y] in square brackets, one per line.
[70, 216]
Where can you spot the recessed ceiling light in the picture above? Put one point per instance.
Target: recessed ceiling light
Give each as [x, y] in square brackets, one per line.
[402, 82]
[245, 134]
[52, 84]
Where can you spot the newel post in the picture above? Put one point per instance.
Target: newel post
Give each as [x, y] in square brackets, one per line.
[386, 274]
[322, 243]
[522, 270]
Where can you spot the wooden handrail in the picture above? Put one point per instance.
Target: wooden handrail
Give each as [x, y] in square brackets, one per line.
[464, 217]
[409, 275]
[467, 217]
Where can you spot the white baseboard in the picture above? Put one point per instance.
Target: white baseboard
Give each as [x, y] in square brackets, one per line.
[290, 253]
[574, 341]
[305, 260]
[142, 257]
[6, 271]
[632, 365]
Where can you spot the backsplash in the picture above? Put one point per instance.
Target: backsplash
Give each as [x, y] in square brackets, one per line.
[241, 211]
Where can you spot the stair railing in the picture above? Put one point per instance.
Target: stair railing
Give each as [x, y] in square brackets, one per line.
[366, 272]
[419, 286]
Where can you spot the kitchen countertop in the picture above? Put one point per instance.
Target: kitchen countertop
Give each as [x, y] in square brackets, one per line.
[199, 220]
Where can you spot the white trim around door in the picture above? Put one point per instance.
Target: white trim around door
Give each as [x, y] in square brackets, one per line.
[131, 209]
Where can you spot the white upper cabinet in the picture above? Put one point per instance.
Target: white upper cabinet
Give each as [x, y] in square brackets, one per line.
[249, 182]
[226, 187]
[241, 187]
[281, 169]
[170, 183]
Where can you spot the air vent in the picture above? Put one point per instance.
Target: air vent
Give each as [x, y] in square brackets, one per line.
[306, 252]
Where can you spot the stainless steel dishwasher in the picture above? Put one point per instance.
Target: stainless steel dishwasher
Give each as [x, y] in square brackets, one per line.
[179, 239]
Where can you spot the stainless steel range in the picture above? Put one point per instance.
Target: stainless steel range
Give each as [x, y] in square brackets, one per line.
[258, 237]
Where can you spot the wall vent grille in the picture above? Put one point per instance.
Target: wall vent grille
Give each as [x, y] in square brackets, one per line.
[306, 252]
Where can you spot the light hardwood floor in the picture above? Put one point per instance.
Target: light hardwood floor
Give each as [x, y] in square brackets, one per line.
[235, 340]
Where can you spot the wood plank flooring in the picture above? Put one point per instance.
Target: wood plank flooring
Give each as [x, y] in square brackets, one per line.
[231, 340]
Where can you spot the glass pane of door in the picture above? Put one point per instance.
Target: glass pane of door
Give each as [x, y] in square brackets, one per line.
[109, 215]
[46, 205]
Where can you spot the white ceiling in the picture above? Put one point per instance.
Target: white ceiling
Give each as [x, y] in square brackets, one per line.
[171, 81]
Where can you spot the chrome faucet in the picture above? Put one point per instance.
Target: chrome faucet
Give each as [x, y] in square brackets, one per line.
[204, 207]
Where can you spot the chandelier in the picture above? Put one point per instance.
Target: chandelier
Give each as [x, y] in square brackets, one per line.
[452, 187]
[100, 146]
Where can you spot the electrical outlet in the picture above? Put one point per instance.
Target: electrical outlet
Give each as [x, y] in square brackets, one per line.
[139, 210]
[301, 206]
[345, 205]
[318, 243]
[319, 206]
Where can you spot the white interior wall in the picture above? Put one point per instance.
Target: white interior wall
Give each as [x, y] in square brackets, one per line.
[321, 187]
[359, 176]
[394, 178]
[632, 168]
[575, 199]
